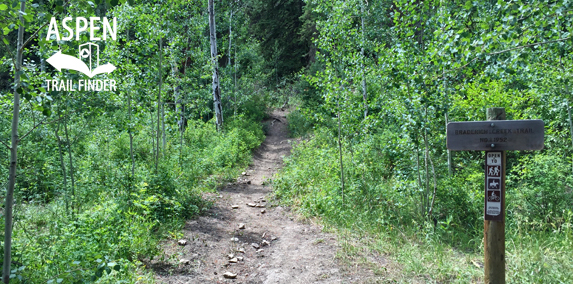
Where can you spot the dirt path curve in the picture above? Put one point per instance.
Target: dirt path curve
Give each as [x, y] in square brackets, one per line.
[273, 247]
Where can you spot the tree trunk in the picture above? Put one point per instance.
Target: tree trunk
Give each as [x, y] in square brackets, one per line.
[229, 63]
[230, 36]
[340, 146]
[216, 86]
[129, 129]
[71, 164]
[426, 158]
[235, 80]
[130, 134]
[161, 85]
[13, 153]
[158, 105]
[568, 113]
[364, 94]
[63, 166]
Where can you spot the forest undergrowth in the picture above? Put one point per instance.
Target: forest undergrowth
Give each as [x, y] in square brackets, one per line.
[379, 210]
[115, 222]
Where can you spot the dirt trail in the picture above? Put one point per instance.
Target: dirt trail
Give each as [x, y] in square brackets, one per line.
[289, 251]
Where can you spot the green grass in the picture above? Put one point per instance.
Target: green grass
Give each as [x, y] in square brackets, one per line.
[377, 218]
[116, 222]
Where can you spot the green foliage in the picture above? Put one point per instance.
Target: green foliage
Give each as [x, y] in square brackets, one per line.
[101, 241]
[278, 27]
[118, 219]
[540, 196]
[472, 103]
[298, 124]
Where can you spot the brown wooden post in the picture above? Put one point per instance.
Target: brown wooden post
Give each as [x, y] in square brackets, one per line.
[494, 230]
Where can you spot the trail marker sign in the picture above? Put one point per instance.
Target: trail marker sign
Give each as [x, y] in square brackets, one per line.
[493, 186]
[495, 136]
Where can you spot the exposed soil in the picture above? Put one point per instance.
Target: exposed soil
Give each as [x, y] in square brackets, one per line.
[290, 250]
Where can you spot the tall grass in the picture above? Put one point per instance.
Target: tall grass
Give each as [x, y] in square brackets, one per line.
[114, 221]
[380, 213]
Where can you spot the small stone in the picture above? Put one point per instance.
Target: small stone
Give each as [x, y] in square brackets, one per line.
[273, 238]
[263, 211]
[234, 239]
[184, 261]
[235, 206]
[182, 242]
[251, 204]
[260, 205]
[231, 256]
[255, 245]
[230, 275]
[262, 198]
[241, 226]
[240, 258]
[233, 260]
[241, 250]
[265, 243]
[244, 173]
[264, 234]
[260, 250]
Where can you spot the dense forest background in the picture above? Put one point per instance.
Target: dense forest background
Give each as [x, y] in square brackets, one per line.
[102, 177]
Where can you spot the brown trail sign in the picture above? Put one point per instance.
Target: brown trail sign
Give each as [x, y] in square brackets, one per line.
[502, 134]
[495, 136]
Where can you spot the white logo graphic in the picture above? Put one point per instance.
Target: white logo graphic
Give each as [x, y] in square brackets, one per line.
[86, 52]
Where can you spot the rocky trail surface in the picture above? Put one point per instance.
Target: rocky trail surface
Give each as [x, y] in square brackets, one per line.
[243, 239]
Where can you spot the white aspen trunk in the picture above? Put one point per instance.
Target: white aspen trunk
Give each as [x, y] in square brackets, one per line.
[129, 129]
[570, 122]
[235, 81]
[216, 86]
[162, 104]
[364, 94]
[426, 158]
[63, 166]
[71, 171]
[340, 147]
[230, 36]
[450, 168]
[13, 153]
[158, 106]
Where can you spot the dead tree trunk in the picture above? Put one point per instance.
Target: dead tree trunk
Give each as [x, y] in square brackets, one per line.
[216, 86]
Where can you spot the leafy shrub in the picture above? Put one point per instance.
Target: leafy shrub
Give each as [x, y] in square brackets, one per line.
[540, 192]
[298, 124]
[101, 241]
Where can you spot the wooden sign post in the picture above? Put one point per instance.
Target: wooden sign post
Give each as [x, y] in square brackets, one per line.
[495, 136]
[494, 212]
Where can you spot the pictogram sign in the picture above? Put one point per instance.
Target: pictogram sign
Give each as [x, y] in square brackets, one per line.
[493, 186]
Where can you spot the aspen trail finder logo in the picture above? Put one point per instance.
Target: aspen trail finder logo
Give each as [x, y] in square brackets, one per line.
[87, 61]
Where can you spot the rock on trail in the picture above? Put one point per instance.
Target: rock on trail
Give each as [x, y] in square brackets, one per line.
[256, 243]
